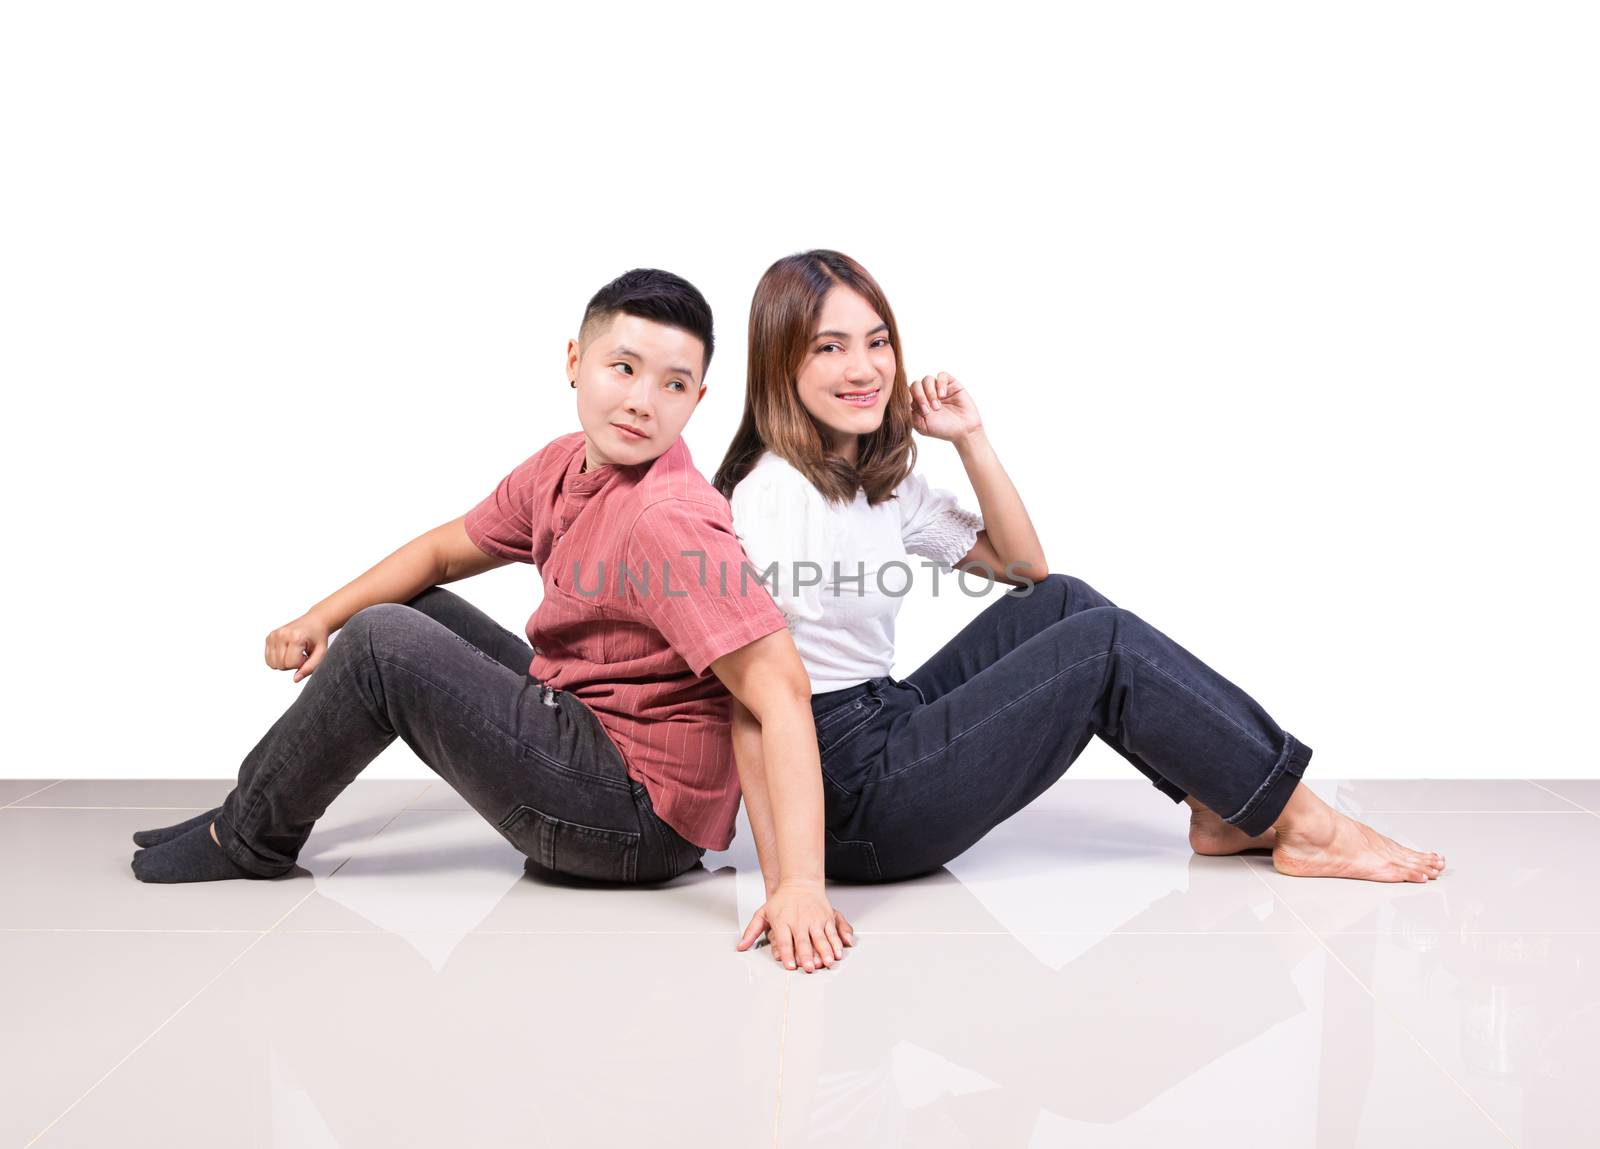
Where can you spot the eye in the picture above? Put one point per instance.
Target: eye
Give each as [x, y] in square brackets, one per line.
[679, 384]
[881, 341]
[826, 346]
[626, 367]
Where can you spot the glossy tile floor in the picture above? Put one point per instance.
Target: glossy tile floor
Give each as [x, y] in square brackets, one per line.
[1078, 978]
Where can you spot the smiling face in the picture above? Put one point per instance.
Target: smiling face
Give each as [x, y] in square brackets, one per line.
[638, 383]
[847, 376]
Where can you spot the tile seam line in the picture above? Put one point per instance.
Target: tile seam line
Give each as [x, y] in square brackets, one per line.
[59, 781]
[197, 809]
[237, 958]
[874, 933]
[146, 1039]
[40, 790]
[1352, 811]
[783, 1049]
[1564, 798]
[374, 932]
[1379, 1004]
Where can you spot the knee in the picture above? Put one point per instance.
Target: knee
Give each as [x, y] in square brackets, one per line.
[378, 625]
[1091, 628]
[1059, 584]
[376, 615]
[1051, 588]
[1065, 591]
[1128, 629]
[1074, 593]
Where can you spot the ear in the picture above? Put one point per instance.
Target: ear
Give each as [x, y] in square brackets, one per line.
[574, 353]
[701, 395]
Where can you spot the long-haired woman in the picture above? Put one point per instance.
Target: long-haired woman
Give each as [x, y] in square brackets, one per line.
[821, 478]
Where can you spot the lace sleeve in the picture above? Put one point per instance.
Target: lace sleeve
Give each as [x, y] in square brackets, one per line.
[934, 523]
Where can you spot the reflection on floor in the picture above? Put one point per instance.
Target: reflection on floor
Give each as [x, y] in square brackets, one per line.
[1078, 978]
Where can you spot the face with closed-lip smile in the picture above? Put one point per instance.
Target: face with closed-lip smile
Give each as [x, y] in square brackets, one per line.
[638, 382]
[847, 376]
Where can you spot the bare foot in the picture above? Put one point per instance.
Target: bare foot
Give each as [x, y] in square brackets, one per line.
[1209, 834]
[1316, 841]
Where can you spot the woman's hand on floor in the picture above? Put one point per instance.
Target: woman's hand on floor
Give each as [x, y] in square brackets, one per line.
[805, 931]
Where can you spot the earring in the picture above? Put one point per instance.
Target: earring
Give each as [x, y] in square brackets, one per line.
[573, 383]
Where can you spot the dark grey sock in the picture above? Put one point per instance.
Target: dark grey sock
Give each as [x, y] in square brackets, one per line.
[167, 833]
[190, 857]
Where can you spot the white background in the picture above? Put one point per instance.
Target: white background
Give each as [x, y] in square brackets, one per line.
[1283, 319]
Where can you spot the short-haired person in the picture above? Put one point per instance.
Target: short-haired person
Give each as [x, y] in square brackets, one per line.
[821, 478]
[602, 749]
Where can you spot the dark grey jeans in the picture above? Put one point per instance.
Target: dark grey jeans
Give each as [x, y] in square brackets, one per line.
[450, 681]
[916, 771]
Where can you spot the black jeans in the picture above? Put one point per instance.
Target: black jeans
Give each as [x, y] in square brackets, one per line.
[454, 684]
[916, 771]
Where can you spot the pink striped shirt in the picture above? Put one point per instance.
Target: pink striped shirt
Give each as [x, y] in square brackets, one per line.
[629, 623]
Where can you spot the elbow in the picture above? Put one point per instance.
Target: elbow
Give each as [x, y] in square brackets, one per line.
[780, 690]
[1034, 570]
[793, 691]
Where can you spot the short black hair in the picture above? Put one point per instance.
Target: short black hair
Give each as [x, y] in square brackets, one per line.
[656, 295]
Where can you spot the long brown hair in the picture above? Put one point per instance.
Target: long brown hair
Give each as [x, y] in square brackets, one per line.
[783, 314]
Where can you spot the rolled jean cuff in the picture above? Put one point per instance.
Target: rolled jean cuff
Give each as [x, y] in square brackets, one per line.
[241, 855]
[1266, 805]
[1171, 790]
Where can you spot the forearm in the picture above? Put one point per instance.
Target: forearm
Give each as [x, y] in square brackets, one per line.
[794, 785]
[1005, 519]
[776, 755]
[751, 762]
[398, 578]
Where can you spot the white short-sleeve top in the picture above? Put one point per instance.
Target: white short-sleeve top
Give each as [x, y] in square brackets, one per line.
[839, 572]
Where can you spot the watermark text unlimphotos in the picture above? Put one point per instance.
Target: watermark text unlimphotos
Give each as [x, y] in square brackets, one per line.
[892, 579]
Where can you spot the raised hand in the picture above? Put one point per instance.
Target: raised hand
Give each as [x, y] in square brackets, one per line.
[942, 408]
